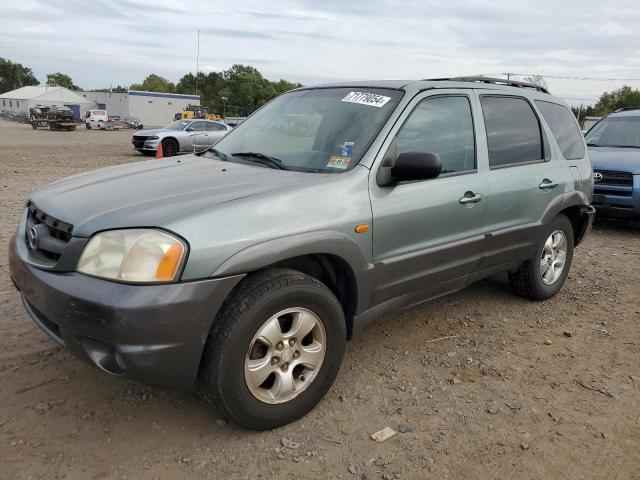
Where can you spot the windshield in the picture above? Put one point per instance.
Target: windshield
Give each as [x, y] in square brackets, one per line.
[623, 132]
[179, 125]
[319, 130]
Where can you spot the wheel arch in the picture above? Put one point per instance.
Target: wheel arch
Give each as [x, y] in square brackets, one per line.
[575, 205]
[331, 257]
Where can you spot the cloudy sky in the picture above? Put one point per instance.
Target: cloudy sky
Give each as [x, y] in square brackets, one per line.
[102, 42]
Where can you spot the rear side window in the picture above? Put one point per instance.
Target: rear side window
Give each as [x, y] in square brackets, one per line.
[441, 125]
[212, 127]
[513, 131]
[564, 128]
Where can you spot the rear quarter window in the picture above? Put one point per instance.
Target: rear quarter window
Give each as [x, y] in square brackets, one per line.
[564, 129]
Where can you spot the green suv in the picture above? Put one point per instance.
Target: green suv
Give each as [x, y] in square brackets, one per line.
[244, 270]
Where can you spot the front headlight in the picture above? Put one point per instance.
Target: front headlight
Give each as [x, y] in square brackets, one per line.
[133, 255]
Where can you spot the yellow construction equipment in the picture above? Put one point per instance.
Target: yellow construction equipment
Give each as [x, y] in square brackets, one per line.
[196, 111]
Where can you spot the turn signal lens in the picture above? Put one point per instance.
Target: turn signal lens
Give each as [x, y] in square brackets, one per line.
[168, 266]
[364, 228]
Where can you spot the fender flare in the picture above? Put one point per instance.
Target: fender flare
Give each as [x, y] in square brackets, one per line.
[562, 202]
[261, 255]
[567, 200]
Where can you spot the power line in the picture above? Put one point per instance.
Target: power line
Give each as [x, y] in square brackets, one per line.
[562, 77]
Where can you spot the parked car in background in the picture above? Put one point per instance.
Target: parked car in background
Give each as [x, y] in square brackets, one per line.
[614, 148]
[181, 136]
[245, 269]
[133, 122]
[96, 119]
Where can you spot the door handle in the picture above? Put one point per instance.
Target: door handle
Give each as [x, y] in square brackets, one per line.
[469, 198]
[546, 183]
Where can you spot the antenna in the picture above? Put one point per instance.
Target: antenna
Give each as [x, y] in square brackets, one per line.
[197, 62]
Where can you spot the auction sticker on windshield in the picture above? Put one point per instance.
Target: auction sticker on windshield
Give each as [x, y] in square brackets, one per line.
[338, 161]
[364, 98]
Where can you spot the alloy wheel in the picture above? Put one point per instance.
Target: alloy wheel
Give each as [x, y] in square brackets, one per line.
[285, 355]
[553, 259]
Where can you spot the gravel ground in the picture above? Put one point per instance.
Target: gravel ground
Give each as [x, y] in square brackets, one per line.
[518, 389]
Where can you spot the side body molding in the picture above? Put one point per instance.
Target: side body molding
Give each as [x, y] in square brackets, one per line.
[279, 249]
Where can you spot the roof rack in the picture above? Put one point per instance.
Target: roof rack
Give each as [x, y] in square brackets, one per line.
[622, 109]
[495, 81]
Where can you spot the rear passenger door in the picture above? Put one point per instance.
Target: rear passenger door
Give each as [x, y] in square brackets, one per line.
[215, 131]
[428, 235]
[524, 179]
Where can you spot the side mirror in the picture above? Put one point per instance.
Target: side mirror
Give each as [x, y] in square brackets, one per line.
[407, 166]
[189, 129]
[416, 166]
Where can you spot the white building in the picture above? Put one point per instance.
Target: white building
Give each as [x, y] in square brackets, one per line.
[20, 100]
[152, 108]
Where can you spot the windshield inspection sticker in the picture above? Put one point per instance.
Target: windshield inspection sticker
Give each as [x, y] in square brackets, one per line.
[337, 161]
[364, 98]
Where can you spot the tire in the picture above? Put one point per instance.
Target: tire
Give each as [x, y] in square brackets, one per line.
[169, 147]
[88, 126]
[232, 342]
[529, 280]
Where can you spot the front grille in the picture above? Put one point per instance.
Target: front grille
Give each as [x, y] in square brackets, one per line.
[138, 141]
[51, 235]
[624, 179]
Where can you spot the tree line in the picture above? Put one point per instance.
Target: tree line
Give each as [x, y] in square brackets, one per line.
[609, 102]
[241, 89]
[237, 91]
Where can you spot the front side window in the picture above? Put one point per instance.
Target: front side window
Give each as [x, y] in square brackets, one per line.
[621, 132]
[441, 125]
[314, 130]
[198, 126]
[564, 128]
[513, 131]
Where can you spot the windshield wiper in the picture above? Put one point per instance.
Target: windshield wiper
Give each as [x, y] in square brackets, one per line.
[263, 159]
[219, 154]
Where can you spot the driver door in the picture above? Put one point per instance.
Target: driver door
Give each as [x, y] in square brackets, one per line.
[428, 235]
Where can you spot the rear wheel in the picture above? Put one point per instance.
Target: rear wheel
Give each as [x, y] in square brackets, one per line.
[275, 349]
[169, 147]
[543, 276]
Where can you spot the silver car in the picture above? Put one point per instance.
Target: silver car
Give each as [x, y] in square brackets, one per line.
[182, 136]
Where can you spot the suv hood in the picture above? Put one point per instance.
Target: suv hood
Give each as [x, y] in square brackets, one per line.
[149, 193]
[617, 159]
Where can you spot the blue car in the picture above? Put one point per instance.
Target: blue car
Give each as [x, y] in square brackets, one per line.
[614, 148]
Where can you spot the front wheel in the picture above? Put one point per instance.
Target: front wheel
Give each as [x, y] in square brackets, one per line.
[275, 349]
[543, 276]
[169, 147]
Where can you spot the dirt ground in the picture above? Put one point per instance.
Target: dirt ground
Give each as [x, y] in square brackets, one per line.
[508, 395]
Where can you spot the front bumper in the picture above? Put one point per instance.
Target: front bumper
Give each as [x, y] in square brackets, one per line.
[151, 333]
[623, 204]
[147, 145]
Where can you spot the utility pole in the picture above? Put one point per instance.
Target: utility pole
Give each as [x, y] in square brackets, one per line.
[508, 75]
[197, 62]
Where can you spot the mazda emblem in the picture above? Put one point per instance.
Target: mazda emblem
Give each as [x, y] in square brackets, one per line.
[597, 177]
[32, 238]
